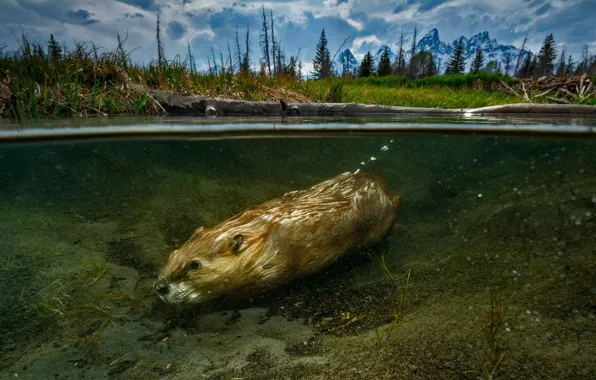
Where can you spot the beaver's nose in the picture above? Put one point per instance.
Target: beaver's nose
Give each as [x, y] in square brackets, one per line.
[161, 287]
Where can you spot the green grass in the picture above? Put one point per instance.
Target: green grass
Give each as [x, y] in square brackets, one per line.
[451, 80]
[444, 97]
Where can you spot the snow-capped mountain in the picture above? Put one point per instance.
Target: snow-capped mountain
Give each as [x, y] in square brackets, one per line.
[442, 51]
[345, 63]
[432, 42]
[377, 56]
[490, 47]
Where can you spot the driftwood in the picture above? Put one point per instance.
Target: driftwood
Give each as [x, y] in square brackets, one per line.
[563, 90]
[193, 105]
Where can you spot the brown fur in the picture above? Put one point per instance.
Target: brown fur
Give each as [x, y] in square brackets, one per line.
[292, 236]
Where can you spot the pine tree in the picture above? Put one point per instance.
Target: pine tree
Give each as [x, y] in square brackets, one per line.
[54, 50]
[291, 68]
[526, 67]
[430, 68]
[570, 65]
[507, 63]
[366, 66]
[534, 65]
[546, 57]
[322, 61]
[399, 67]
[384, 64]
[478, 62]
[457, 61]
[491, 67]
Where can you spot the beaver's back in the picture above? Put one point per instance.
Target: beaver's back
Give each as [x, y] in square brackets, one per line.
[316, 226]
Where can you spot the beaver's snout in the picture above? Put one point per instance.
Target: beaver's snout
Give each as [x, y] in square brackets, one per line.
[161, 287]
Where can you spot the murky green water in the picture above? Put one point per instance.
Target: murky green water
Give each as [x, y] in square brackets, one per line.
[492, 258]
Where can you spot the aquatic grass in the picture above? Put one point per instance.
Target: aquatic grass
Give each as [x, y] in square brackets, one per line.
[493, 322]
[91, 341]
[402, 293]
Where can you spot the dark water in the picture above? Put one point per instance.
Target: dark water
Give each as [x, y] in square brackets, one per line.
[493, 258]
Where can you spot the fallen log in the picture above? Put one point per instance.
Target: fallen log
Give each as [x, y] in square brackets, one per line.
[176, 104]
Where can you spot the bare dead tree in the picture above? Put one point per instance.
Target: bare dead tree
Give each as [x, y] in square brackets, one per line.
[520, 56]
[161, 57]
[266, 59]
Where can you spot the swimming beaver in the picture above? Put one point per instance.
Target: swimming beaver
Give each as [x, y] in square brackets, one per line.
[292, 236]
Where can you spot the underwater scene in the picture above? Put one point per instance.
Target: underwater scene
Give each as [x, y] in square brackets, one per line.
[487, 271]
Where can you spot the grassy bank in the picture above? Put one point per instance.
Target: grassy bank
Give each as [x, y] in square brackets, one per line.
[88, 81]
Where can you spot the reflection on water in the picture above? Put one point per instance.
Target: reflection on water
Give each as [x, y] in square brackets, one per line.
[489, 270]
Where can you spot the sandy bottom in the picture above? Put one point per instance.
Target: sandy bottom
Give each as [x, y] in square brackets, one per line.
[497, 236]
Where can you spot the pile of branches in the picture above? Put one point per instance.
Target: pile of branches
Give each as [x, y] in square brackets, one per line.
[563, 90]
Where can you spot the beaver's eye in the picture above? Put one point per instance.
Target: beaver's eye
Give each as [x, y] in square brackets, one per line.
[236, 243]
[195, 264]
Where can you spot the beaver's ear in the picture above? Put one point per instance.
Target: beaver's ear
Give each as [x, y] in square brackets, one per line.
[197, 232]
[236, 243]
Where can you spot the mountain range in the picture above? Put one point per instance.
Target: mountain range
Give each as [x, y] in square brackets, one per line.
[441, 51]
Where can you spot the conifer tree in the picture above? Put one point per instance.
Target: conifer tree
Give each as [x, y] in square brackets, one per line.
[546, 57]
[570, 65]
[54, 50]
[366, 66]
[478, 62]
[322, 61]
[457, 61]
[507, 63]
[384, 63]
[491, 67]
[526, 67]
[430, 68]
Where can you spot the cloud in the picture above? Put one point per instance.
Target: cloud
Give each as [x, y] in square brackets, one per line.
[142, 4]
[83, 16]
[369, 41]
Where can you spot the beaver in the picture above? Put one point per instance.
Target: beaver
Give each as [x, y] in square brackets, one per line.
[295, 235]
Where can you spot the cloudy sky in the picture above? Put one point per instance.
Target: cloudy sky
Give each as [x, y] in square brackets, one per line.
[368, 24]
